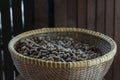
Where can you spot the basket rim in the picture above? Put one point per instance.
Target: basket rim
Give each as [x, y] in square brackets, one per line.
[39, 62]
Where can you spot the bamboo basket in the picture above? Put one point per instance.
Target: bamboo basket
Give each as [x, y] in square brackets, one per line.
[37, 69]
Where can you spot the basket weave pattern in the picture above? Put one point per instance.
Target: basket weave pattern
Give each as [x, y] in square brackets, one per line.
[33, 72]
[95, 69]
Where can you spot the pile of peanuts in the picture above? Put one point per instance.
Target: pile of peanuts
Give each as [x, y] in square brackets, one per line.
[58, 49]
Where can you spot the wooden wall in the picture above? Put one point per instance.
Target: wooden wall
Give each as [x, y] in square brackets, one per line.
[98, 15]
[11, 24]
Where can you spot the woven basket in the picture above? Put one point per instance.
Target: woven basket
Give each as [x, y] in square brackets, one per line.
[37, 69]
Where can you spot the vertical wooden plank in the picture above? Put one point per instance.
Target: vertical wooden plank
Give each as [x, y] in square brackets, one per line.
[41, 13]
[109, 29]
[6, 32]
[29, 14]
[51, 13]
[71, 13]
[60, 13]
[101, 16]
[17, 17]
[110, 17]
[117, 39]
[1, 77]
[82, 13]
[91, 7]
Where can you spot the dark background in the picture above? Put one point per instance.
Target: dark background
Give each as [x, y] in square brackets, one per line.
[17, 16]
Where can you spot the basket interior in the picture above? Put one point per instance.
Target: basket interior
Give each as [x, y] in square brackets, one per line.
[100, 43]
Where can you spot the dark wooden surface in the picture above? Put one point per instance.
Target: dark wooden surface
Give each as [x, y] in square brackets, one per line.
[28, 15]
[1, 77]
[60, 13]
[17, 17]
[100, 16]
[116, 66]
[41, 13]
[6, 33]
[17, 26]
[91, 8]
[72, 13]
[51, 18]
[82, 11]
